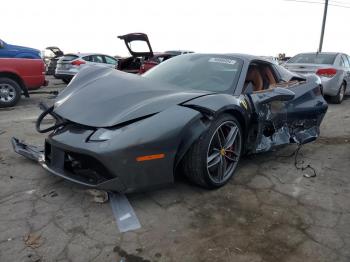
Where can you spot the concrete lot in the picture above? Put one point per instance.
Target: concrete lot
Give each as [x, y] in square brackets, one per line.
[268, 212]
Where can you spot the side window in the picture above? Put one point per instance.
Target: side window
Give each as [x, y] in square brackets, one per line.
[346, 61]
[341, 61]
[110, 60]
[87, 58]
[97, 58]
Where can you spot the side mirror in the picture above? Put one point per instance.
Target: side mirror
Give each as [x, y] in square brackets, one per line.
[275, 94]
[2, 44]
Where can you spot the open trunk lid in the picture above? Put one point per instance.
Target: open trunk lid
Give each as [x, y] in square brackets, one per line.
[131, 38]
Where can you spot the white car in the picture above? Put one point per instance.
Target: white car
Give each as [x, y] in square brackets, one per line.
[70, 64]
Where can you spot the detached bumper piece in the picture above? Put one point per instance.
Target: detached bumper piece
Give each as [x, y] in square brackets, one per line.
[79, 168]
[28, 151]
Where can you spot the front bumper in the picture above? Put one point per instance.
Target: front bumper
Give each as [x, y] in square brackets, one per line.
[57, 168]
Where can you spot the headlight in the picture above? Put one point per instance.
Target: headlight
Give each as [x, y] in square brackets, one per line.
[103, 134]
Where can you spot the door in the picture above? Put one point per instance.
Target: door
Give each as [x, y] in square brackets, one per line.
[289, 111]
[110, 61]
[346, 68]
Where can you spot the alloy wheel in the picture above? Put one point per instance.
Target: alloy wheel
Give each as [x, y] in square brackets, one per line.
[224, 152]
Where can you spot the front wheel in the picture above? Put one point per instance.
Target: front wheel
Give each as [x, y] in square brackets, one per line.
[340, 96]
[213, 159]
[10, 92]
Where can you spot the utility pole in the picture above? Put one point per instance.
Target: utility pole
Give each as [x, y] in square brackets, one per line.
[323, 25]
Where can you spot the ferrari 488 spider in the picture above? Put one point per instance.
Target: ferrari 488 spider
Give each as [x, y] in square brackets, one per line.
[198, 113]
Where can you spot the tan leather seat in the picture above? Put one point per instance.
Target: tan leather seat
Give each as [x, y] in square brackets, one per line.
[254, 76]
[269, 75]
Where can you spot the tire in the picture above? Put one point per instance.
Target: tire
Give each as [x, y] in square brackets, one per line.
[10, 92]
[340, 96]
[66, 80]
[200, 162]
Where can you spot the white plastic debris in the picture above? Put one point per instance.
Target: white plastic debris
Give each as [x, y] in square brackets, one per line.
[124, 213]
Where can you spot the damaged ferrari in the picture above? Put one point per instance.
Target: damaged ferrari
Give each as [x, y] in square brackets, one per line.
[198, 113]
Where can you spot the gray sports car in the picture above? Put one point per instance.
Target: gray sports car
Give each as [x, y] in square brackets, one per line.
[198, 113]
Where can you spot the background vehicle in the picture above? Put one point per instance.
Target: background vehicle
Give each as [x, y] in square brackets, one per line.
[15, 51]
[17, 76]
[332, 68]
[197, 113]
[51, 59]
[140, 49]
[155, 60]
[142, 56]
[70, 64]
[179, 52]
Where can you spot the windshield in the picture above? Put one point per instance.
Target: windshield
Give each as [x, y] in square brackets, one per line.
[315, 58]
[216, 73]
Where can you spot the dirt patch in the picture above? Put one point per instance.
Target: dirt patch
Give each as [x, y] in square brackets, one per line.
[339, 140]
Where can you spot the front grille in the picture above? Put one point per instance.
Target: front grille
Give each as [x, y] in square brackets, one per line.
[79, 166]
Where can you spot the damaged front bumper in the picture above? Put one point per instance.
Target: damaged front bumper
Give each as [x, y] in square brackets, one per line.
[57, 168]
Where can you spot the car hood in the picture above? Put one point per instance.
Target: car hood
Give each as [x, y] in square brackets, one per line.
[24, 48]
[104, 97]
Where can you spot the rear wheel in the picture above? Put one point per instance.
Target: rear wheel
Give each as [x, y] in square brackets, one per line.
[340, 96]
[10, 92]
[213, 159]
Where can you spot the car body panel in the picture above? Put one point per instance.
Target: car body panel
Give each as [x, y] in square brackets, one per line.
[146, 118]
[142, 97]
[15, 51]
[30, 71]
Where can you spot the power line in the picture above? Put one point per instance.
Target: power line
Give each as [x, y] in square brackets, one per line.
[316, 2]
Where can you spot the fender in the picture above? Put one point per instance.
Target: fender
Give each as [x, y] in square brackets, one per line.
[223, 103]
[210, 106]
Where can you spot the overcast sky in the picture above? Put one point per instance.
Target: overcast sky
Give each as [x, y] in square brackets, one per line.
[261, 27]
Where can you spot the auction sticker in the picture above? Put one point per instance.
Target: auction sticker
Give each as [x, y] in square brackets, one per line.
[222, 60]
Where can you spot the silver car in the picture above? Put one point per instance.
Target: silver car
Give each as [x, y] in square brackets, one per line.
[70, 64]
[332, 68]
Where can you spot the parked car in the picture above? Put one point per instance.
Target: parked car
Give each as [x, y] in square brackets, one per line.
[179, 52]
[51, 60]
[198, 113]
[17, 76]
[156, 59]
[142, 56]
[70, 64]
[159, 58]
[140, 49]
[15, 51]
[332, 68]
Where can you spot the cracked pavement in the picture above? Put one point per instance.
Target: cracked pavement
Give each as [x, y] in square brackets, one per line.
[268, 212]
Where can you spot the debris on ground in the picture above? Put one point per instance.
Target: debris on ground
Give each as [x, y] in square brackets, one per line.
[99, 196]
[32, 240]
[123, 212]
[51, 194]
